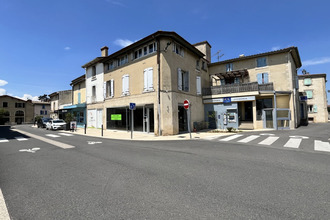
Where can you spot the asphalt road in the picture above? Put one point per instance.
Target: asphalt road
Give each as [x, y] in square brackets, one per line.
[194, 179]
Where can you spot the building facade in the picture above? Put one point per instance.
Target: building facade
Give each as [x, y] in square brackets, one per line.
[41, 109]
[254, 92]
[314, 87]
[17, 111]
[58, 100]
[78, 107]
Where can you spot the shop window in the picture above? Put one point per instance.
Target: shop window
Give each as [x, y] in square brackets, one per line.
[262, 104]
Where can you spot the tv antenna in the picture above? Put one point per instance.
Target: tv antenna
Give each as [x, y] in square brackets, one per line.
[218, 55]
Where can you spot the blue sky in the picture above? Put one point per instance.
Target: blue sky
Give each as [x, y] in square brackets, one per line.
[43, 44]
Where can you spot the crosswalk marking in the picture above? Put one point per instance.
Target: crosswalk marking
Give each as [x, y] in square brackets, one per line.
[231, 137]
[20, 138]
[52, 135]
[268, 141]
[321, 146]
[66, 134]
[293, 143]
[3, 140]
[249, 138]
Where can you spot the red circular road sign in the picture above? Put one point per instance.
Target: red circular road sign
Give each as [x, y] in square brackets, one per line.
[186, 104]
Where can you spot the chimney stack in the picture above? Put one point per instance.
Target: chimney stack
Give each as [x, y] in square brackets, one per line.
[104, 51]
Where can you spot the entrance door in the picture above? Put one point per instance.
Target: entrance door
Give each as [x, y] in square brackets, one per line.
[268, 118]
[182, 116]
[248, 111]
[99, 118]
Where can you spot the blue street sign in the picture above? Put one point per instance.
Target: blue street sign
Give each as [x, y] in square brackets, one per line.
[303, 98]
[227, 100]
[132, 106]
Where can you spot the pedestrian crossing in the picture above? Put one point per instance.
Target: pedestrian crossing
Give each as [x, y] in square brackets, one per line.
[21, 138]
[294, 142]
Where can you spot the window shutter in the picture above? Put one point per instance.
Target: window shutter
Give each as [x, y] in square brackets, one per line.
[145, 77]
[259, 78]
[150, 79]
[315, 108]
[307, 82]
[104, 89]
[127, 84]
[309, 94]
[79, 98]
[123, 85]
[266, 78]
[111, 88]
[199, 85]
[186, 81]
[179, 79]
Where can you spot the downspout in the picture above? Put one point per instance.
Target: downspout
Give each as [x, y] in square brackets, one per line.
[294, 95]
[275, 108]
[158, 87]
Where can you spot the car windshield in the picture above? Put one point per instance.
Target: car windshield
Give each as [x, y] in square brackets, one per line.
[46, 119]
[58, 121]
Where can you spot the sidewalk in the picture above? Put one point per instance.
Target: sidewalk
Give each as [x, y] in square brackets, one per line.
[124, 135]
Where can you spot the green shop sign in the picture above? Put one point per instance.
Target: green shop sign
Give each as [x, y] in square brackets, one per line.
[116, 117]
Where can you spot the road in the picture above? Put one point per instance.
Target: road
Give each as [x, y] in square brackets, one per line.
[99, 178]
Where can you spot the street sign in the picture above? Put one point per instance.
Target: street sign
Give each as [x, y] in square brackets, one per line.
[186, 104]
[227, 100]
[132, 106]
[303, 98]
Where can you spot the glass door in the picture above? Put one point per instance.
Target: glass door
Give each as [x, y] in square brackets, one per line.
[268, 118]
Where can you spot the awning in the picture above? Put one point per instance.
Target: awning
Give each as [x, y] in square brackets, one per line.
[233, 74]
[83, 105]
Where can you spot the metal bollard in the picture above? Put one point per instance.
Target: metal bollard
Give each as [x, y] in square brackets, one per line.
[85, 128]
[102, 130]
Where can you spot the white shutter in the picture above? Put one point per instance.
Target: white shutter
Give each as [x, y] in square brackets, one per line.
[150, 79]
[179, 79]
[104, 90]
[199, 85]
[127, 84]
[123, 84]
[145, 78]
[111, 88]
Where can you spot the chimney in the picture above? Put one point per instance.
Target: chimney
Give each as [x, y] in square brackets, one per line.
[104, 51]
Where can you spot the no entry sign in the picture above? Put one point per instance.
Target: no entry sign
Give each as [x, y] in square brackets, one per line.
[186, 104]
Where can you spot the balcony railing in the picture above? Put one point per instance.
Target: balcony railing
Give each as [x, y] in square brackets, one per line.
[236, 88]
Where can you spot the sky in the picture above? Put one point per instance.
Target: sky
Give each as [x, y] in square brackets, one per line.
[43, 43]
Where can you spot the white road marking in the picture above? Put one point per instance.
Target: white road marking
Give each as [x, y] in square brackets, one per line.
[33, 150]
[321, 146]
[55, 143]
[210, 137]
[249, 138]
[3, 208]
[94, 142]
[53, 135]
[293, 142]
[302, 137]
[267, 134]
[231, 137]
[66, 134]
[268, 141]
[20, 138]
[3, 140]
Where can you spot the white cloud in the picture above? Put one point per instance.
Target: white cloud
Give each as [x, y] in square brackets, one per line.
[3, 82]
[28, 96]
[118, 3]
[2, 91]
[275, 48]
[316, 61]
[123, 42]
[67, 48]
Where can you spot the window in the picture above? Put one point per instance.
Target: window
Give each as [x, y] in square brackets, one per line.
[262, 78]
[236, 80]
[148, 80]
[108, 89]
[178, 49]
[261, 62]
[315, 108]
[262, 104]
[197, 65]
[123, 60]
[310, 108]
[143, 51]
[229, 67]
[309, 94]
[307, 81]
[203, 65]
[19, 105]
[93, 94]
[111, 65]
[43, 106]
[41, 112]
[183, 80]
[198, 85]
[125, 85]
[45, 112]
[223, 82]
[5, 104]
[94, 71]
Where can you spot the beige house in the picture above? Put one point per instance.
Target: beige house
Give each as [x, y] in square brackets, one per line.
[58, 100]
[41, 109]
[314, 87]
[157, 73]
[18, 111]
[256, 91]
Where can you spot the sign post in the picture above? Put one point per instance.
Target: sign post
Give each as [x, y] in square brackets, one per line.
[186, 105]
[132, 107]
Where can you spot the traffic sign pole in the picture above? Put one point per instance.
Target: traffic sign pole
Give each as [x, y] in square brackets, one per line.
[132, 107]
[186, 105]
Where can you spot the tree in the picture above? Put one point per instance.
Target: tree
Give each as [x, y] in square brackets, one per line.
[3, 113]
[44, 98]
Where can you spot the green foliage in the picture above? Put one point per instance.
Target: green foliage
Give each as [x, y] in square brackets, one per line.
[69, 117]
[37, 118]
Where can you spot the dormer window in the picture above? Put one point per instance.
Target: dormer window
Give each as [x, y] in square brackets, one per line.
[143, 51]
[261, 62]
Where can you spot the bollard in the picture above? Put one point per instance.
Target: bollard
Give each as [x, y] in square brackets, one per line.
[102, 130]
[85, 128]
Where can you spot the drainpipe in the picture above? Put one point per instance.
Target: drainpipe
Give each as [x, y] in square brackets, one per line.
[275, 108]
[294, 95]
[158, 87]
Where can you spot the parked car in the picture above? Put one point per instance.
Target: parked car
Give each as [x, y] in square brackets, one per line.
[55, 124]
[41, 123]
